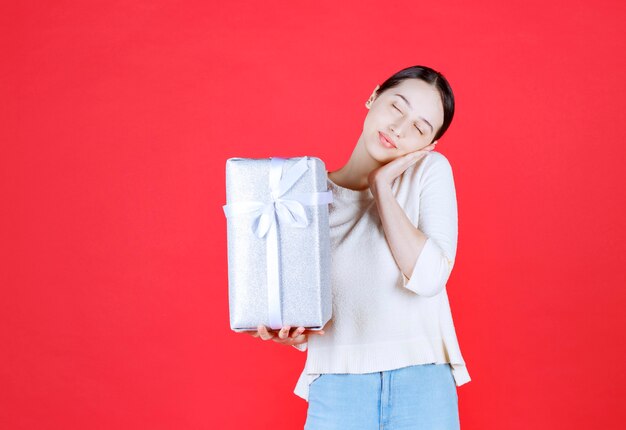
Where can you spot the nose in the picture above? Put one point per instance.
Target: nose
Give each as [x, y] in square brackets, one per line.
[396, 129]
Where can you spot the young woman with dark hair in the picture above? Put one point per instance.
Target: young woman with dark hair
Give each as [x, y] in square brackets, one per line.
[389, 357]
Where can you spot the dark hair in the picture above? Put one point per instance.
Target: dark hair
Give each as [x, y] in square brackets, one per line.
[432, 77]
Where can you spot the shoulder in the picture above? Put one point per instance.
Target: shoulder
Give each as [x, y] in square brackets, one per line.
[436, 160]
[434, 163]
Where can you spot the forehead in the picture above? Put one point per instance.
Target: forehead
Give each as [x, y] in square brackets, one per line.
[423, 97]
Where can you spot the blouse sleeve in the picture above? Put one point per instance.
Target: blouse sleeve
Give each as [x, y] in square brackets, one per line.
[438, 220]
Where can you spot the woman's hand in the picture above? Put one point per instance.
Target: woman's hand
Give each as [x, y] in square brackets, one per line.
[284, 336]
[387, 173]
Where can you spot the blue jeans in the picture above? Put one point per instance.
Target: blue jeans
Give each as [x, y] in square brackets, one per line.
[415, 397]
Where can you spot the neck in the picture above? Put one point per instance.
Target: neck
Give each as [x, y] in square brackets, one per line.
[354, 173]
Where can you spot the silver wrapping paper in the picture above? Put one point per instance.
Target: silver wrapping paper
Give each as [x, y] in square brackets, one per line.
[304, 253]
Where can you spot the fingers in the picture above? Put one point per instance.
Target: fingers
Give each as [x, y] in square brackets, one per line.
[421, 152]
[298, 337]
[297, 333]
[301, 335]
[284, 335]
[412, 157]
[285, 338]
[264, 333]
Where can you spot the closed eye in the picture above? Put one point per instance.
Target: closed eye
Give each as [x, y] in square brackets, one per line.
[418, 129]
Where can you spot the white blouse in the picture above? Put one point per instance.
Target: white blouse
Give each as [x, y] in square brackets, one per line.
[383, 320]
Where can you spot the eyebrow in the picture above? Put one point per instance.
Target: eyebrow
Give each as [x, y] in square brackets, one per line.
[409, 104]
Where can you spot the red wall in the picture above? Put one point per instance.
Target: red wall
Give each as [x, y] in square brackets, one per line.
[118, 118]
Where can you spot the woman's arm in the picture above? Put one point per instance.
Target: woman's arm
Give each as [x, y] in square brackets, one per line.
[425, 254]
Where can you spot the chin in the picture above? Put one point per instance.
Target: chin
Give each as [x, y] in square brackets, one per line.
[380, 154]
[374, 152]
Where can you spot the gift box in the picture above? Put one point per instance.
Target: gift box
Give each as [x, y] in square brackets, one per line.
[278, 243]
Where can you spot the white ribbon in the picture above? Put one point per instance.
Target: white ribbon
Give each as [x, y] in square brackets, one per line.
[264, 222]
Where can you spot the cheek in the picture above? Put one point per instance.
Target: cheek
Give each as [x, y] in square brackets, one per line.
[371, 124]
[377, 117]
[417, 144]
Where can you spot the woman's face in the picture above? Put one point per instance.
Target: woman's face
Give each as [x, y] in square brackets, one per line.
[409, 114]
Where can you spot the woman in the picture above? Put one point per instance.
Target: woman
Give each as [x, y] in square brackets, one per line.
[389, 357]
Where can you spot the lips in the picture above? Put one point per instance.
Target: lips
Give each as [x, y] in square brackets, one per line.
[386, 139]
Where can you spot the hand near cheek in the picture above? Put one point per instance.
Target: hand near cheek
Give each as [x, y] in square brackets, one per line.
[386, 174]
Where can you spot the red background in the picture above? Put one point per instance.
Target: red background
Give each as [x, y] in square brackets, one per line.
[118, 118]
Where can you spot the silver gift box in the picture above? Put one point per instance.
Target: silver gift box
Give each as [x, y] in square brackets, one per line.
[278, 243]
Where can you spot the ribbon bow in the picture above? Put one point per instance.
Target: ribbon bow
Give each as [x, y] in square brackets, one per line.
[265, 217]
